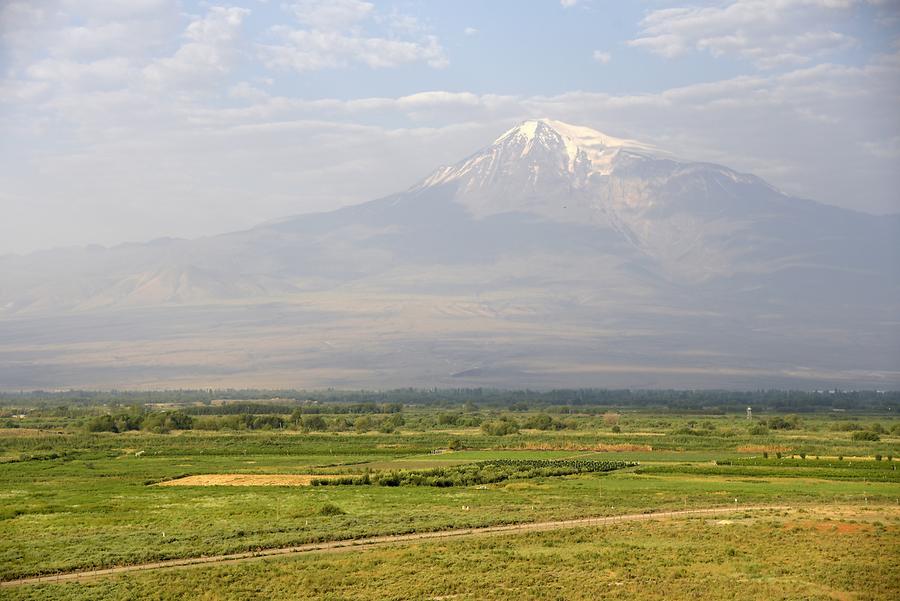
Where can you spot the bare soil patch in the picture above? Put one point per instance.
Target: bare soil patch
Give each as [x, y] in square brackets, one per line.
[245, 480]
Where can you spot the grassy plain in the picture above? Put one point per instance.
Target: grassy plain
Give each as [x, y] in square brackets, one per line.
[71, 500]
[825, 553]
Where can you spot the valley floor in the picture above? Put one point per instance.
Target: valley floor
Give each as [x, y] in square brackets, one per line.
[810, 512]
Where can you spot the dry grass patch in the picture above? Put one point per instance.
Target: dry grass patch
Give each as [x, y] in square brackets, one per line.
[761, 448]
[245, 480]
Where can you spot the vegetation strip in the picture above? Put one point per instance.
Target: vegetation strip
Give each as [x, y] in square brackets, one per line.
[480, 472]
[350, 544]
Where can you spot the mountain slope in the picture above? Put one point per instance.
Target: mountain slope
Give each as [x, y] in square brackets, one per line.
[557, 255]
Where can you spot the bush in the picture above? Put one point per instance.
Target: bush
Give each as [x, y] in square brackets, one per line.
[791, 422]
[846, 427]
[610, 418]
[313, 423]
[500, 427]
[455, 445]
[331, 509]
[542, 421]
[759, 430]
[865, 435]
[164, 422]
[102, 423]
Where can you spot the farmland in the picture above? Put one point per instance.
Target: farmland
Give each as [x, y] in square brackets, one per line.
[73, 498]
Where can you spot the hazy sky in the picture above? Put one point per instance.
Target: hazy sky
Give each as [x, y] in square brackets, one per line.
[134, 119]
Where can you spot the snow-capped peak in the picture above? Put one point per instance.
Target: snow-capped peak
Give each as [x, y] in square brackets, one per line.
[581, 136]
[542, 144]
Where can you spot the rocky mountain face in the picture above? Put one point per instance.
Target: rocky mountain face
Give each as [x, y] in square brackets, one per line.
[556, 256]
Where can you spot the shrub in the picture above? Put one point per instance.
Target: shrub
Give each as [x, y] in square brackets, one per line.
[541, 421]
[500, 427]
[161, 423]
[791, 422]
[616, 429]
[331, 509]
[363, 424]
[845, 427]
[313, 423]
[865, 435]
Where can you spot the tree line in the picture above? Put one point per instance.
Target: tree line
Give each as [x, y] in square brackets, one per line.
[585, 400]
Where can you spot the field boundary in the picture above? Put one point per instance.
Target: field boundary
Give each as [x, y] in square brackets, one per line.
[376, 541]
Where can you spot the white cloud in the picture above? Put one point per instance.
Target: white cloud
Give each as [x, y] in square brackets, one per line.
[335, 36]
[188, 168]
[142, 121]
[768, 34]
[602, 57]
[310, 50]
[209, 50]
[470, 31]
[332, 14]
[568, 3]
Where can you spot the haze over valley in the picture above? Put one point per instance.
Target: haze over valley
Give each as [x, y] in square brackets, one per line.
[556, 256]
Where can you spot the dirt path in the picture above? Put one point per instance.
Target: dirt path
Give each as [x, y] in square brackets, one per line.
[376, 541]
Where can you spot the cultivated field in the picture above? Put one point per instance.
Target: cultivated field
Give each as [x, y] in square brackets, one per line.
[807, 507]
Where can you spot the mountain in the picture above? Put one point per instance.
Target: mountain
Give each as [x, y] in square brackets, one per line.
[555, 256]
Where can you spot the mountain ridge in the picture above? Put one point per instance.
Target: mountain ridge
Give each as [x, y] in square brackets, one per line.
[530, 258]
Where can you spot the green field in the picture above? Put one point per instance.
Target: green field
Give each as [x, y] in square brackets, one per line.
[71, 499]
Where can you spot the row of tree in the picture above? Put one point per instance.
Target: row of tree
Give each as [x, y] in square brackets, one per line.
[571, 400]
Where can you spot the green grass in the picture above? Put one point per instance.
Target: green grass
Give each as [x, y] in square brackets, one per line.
[71, 500]
[754, 556]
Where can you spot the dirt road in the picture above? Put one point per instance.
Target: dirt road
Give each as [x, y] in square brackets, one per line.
[376, 541]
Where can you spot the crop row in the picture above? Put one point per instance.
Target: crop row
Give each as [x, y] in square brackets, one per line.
[482, 472]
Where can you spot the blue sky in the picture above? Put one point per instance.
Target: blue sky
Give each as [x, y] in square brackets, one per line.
[146, 118]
